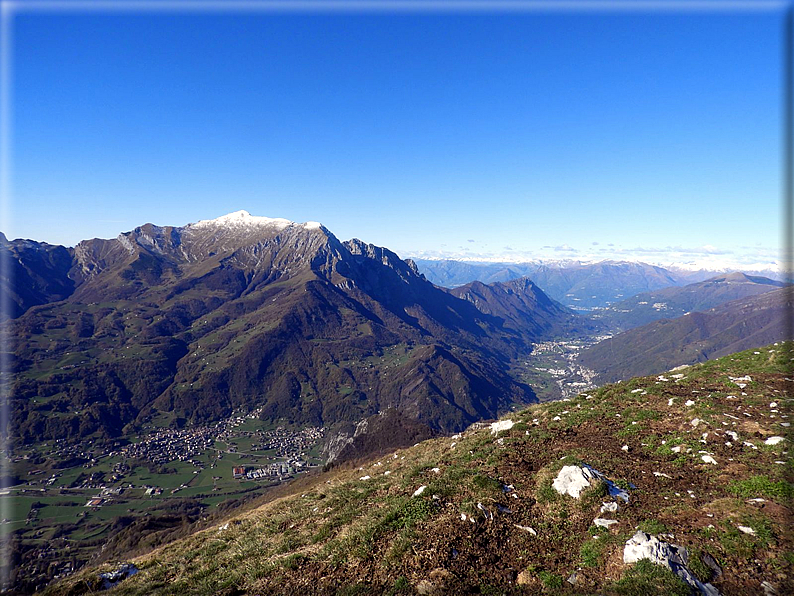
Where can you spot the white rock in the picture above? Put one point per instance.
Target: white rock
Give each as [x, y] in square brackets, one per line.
[556, 418]
[419, 490]
[695, 422]
[609, 507]
[572, 480]
[708, 459]
[365, 477]
[675, 558]
[746, 530]
[435, 470]
[732, 435]
[689, 403]
[774, 440]
[501, 425]
[604, 523]
[773, 404]
[749, 444]
[526, 529]
[625, 448]
[662, 474]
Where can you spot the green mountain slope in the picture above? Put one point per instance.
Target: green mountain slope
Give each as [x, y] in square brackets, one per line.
[700, 454]
[695, 337]
[669, 303]
[186, 325]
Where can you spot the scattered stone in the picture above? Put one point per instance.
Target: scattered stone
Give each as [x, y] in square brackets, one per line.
[609, 507]
[419, 490]
[365, 477]
[572, 579]
[774, 440]
[572, 480]
[604, 523]
[501, 425]
[689, 403]
[662, 475]
[708, 459]
[695, 422]
[526, 529]
[746, 530]
[769, 589]
[625, 448]
[111, 578]
[674, 557]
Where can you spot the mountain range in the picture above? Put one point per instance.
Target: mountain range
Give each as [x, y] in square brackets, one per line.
[578, 285]
[695, 337]
[188, 324]
[676, 301]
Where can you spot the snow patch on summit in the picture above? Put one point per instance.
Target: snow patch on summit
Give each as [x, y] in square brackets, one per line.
[244, 220]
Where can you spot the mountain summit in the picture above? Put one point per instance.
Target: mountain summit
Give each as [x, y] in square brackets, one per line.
[189, 324]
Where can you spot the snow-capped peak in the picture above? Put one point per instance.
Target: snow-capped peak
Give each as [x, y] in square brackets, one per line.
[243, 219]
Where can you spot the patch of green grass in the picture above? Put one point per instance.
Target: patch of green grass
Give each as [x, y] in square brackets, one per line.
[645, 578]
[653, 526]
[487, 484]
[401, 586]
[550, 580]
[593, 496]
[590, 552]
[697, 566]
[761, 486]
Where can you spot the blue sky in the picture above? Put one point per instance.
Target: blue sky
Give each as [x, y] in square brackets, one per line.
[465, 134]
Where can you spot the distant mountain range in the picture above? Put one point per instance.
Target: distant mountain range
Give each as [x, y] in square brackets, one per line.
[676, 301]
[577, 285]
[178, 325]
[190, 323]
[698, 336]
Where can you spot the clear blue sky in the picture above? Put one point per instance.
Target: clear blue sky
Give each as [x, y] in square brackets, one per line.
[416, 131]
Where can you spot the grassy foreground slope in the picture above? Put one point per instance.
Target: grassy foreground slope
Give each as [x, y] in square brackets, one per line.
[490, 522]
